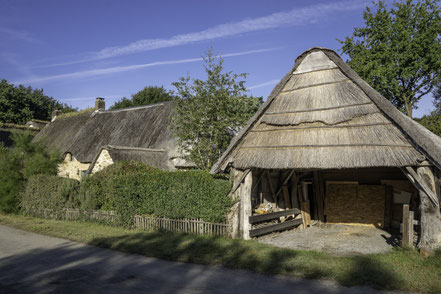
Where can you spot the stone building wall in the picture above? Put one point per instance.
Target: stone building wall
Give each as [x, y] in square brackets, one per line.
[71, 168]
[104, 160]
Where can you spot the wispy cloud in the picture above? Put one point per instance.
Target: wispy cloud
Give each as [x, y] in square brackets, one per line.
[267, 83]
[294, 17]
[18, 35]
[118, 69]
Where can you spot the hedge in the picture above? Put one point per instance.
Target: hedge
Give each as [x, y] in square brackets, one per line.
[133, 188]
[48, 191]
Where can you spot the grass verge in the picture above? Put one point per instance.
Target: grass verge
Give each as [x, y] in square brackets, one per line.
[397, 270]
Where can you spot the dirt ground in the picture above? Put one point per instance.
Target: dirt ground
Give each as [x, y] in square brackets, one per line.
[335, 239]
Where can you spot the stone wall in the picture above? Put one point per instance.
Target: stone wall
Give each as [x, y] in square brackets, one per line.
[104, 160]
[71, 168]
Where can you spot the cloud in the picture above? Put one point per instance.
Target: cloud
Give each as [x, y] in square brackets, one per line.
[294, 17]
[267, 83]
[18, 35]
[118, 69]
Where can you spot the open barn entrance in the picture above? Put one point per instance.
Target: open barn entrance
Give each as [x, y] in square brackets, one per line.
[369, 197]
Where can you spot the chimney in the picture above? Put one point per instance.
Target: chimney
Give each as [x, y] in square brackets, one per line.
[55, 113]
[100, 104]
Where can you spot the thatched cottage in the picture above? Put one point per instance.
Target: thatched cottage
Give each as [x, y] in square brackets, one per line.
[326, 142]
[93, 140]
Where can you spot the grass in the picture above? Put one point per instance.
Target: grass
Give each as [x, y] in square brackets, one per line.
[396, 270]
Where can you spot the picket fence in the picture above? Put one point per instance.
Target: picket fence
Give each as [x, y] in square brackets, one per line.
[191, 226]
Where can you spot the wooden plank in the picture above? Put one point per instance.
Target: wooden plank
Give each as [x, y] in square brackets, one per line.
[286, 197]
[420, 184]
[307, 213]
[405, 233]
[277, 227]
[302, 208]
[410, 228]
[273, 215]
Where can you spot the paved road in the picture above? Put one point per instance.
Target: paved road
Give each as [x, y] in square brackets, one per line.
[32, 263]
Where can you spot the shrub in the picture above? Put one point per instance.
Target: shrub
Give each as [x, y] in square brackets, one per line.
[48, 191]
[19, 163]
[96, 191]
[133, 188]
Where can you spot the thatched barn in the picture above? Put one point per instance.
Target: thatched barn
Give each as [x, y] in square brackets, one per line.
[327, 144]
[96, 139]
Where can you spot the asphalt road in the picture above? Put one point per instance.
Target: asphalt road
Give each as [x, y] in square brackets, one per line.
[33, 263]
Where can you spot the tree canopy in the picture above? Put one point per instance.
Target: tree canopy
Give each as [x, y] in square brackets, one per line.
[210, 112]
[19, 104]
[398, 51]
[148, 95]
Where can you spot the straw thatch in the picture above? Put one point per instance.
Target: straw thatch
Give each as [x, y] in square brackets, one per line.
[152, 157]
[322, 115]
[145, 127]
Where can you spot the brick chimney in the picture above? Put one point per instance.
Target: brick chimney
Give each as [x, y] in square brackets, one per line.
[100, 103]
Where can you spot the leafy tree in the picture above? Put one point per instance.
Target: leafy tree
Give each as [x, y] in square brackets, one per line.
[398, 51]
[148, 95]
[211, 111]
[432, 122]
[19, 104]
[19, 163]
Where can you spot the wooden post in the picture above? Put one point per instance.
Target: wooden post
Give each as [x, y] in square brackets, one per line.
[430, 222]
[405, 227]
[318, 188]
[245, 205]
[302, 207]
[294, 199]
[307, 213]
[388, 206]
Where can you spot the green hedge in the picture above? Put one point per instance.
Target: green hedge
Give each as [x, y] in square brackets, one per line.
[46, 191]
[133, 188]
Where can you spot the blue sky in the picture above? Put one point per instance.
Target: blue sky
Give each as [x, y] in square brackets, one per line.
[79, 50]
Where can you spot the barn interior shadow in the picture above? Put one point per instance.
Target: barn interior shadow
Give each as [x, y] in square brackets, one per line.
[73, 268]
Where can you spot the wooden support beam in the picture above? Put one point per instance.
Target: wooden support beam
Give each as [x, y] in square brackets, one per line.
[286, 197]
[415, 179]
[272, 215]
[405, 227]
[318, 189]
[284, 183]
[237, 185]
[270, 183]
[307, 210]
[245, 205]
[294, 183]
[277, 227]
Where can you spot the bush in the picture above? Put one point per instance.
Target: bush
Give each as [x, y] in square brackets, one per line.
[19, 163]
[96, 191]
[51, 192]
[133, 188]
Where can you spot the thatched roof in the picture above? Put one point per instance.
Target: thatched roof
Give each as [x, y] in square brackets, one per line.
[84, 135]
[322, 115]
[151, 157]
[60, 133]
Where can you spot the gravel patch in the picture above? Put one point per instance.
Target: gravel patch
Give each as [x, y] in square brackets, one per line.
[335, 239]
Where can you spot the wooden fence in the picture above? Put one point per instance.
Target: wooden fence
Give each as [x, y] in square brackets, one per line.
[192, 226]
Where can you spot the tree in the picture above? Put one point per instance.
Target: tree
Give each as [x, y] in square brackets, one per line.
[19, 104]
[210, 112]
[148, 95]
[398, 51]
[17, 164]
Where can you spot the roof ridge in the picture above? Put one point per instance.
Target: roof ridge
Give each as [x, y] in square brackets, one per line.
[136, 107]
